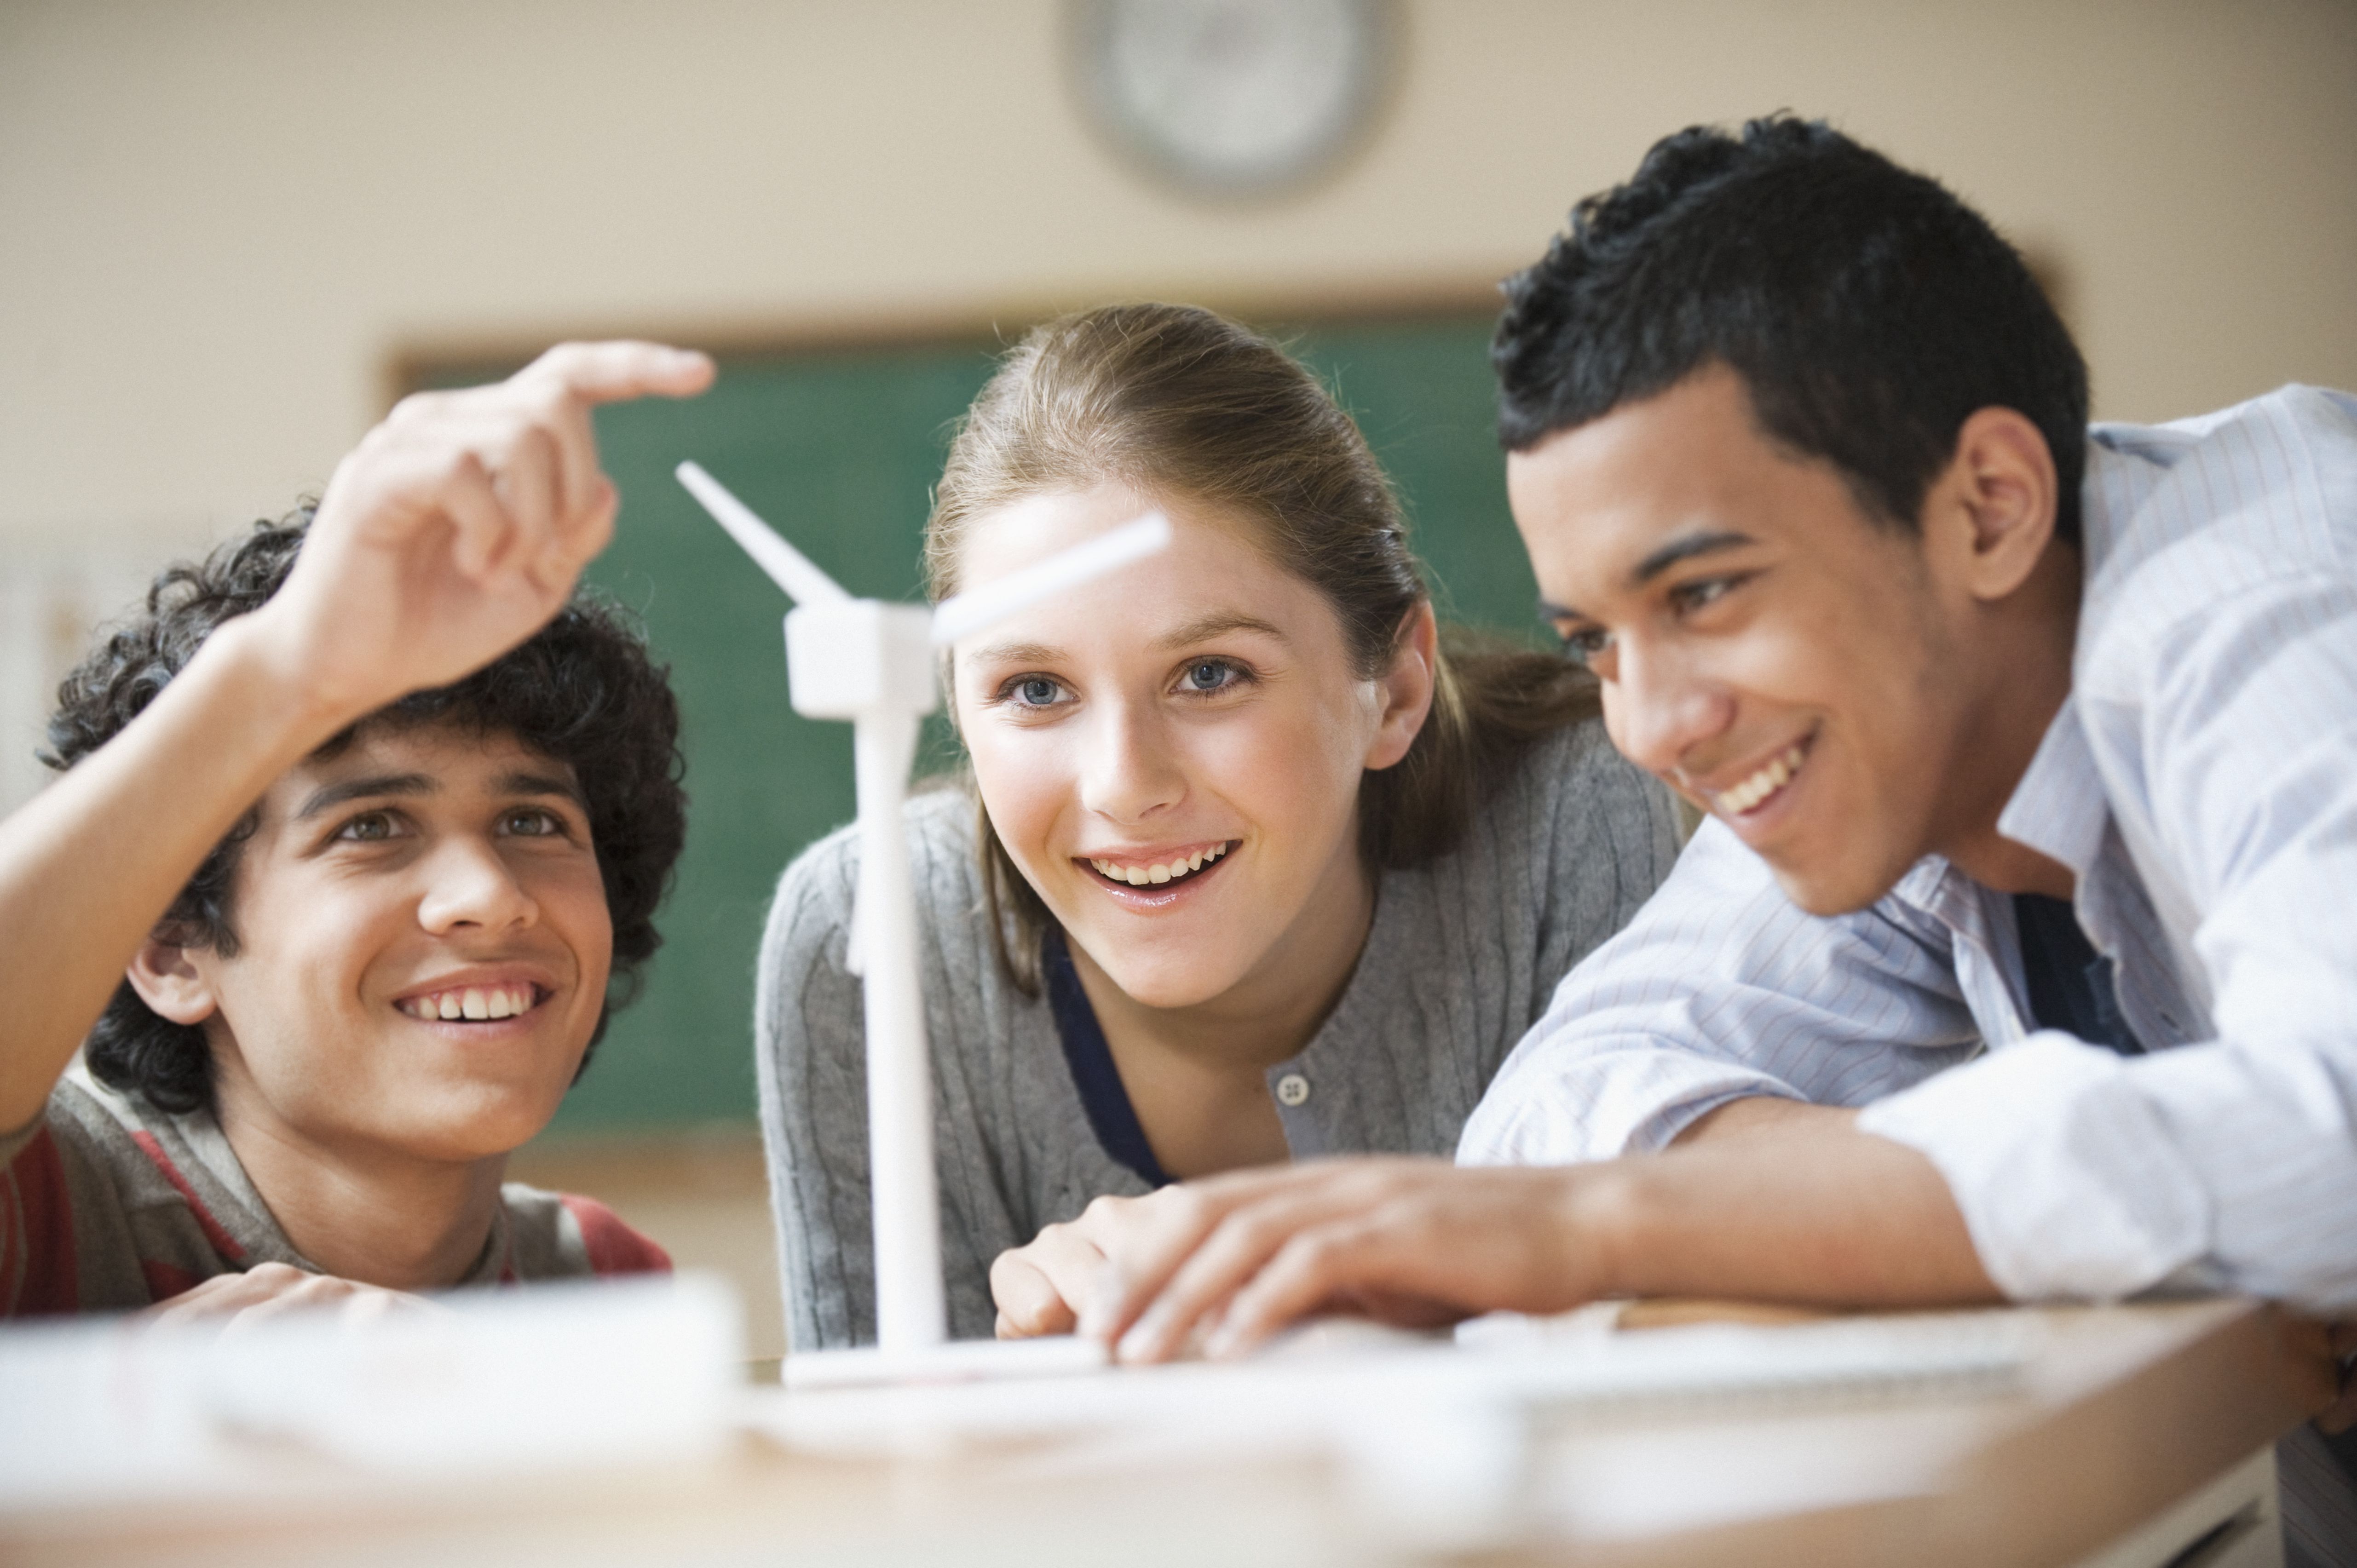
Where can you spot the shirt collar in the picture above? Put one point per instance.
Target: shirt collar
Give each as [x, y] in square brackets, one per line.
[2060, 808]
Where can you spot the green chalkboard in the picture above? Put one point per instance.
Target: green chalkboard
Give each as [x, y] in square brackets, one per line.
[839, 449]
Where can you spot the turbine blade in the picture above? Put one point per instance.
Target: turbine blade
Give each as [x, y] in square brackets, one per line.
[963, 615]
[787, 566]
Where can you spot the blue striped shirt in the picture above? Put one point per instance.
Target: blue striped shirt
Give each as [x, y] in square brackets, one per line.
[2202, 782]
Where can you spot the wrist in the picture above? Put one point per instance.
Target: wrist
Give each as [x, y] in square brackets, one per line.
[1601, 1215]
[248, 656]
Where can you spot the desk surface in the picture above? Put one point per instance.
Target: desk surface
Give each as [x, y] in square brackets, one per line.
[2117, 1412]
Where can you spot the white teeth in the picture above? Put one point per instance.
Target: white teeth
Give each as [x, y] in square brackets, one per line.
[1154, 875]
[1770, 778]
[472, 1002]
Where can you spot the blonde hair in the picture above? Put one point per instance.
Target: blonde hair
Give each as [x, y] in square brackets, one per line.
[1173, 401]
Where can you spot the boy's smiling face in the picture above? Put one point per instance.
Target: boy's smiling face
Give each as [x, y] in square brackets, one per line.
[418, 874]
[1783, 660]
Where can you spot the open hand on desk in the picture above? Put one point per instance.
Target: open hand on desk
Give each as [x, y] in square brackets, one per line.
[269, 1290]
[1232, 1259]
[1782, 1202]
[457, 528]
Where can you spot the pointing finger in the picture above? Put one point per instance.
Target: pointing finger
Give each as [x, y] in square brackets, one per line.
[616, 372]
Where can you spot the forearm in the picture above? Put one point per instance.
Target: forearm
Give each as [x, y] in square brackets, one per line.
[90, 865]
[1774, 1201]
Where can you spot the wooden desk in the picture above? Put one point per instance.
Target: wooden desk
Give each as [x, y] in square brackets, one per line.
[2120, 1413]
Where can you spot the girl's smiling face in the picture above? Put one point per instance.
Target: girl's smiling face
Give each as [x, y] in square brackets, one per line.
[1172, 755]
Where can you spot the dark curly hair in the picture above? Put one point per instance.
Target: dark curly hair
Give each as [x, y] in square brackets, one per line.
[1868, 311]
[582, 690]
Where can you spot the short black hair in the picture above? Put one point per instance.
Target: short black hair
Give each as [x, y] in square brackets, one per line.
[1868, 311]
[582, 690]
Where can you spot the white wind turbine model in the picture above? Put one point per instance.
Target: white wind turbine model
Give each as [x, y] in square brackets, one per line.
[873, 664]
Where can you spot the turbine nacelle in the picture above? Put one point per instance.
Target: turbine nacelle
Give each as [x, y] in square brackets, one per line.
[849, 657]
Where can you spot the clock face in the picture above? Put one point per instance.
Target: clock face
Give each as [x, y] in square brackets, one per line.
[1233, 97]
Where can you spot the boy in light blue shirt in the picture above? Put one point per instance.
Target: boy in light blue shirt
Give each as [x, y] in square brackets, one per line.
[2018, 958]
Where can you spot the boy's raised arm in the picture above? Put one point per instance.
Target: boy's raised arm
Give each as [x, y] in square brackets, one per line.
[453, 531]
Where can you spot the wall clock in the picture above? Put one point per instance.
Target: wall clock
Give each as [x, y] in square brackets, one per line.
[1234, 97]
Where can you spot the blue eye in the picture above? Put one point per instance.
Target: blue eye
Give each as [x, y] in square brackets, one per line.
[1211, 675]
[1033, 693]
[531, 822]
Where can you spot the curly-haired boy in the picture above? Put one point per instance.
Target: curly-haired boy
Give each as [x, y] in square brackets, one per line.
[359, 835]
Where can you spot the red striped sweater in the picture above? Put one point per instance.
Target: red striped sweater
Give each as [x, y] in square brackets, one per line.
[107, 1204]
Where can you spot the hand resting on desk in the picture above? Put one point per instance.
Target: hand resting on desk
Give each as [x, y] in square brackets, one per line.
[1763, 1199]
[271, 1291]
[1041, 1288]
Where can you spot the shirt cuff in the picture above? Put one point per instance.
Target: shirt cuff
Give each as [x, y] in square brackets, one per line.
[2063, 1171]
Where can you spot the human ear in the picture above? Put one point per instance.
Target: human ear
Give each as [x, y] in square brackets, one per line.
[1991, 515]
[1404, 689]
[172, 984]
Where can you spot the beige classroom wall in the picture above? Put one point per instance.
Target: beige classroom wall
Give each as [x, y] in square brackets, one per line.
[221, 220]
